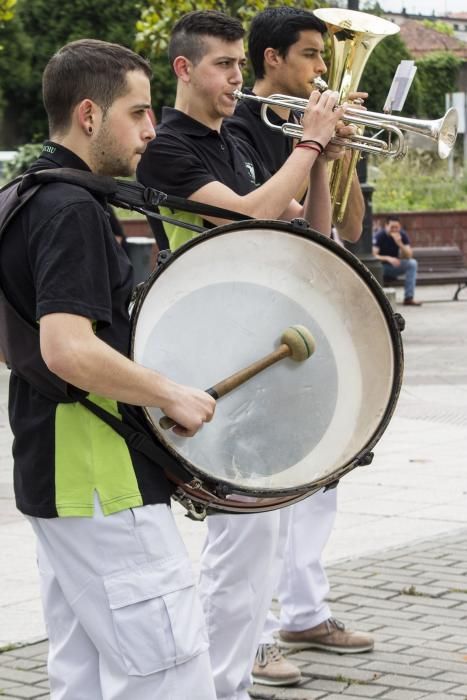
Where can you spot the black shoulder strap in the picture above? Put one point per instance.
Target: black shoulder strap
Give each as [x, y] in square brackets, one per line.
[20, 341]
[139, 441]
[125, 194]
[11, 201]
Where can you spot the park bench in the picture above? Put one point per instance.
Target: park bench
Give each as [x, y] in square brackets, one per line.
[438, 265]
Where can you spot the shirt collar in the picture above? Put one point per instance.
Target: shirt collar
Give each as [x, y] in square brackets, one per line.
[182, 122]
[55, 155]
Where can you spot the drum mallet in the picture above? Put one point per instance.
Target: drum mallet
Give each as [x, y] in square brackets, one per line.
[296, 343]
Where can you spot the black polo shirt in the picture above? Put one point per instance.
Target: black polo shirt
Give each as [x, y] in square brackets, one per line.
[387, 245]
[186, 155]
[59, 255]
[274, 148]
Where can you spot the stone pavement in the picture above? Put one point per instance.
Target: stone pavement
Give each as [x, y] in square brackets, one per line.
[397, 557]
[413, 599]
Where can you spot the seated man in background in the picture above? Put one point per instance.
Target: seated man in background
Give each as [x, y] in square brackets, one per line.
[392, 246]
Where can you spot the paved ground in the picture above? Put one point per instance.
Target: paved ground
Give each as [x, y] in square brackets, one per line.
[397, 558]
[413, 599]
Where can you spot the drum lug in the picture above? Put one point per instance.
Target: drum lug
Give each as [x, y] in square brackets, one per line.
[195, 484]
[400, 321]
[194, 511]
[163, 257]
[300, 224]
[331, 486]
[365, 459]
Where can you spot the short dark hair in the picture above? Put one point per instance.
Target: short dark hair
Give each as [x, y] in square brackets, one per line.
[190, 30]
[392, 218]
[278, 28]
[86, 68]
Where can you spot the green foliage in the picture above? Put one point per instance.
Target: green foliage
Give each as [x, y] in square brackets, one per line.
[41, 27]
[6, 10]
[379, 72]
[159, 16]
[26, 155]
[438, 74]
[417, 183]
[438, 26]
[163, 85]
[6, 13]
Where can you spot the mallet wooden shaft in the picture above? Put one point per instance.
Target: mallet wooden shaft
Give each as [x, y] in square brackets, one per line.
[238, 378]
[297, 342]
[223, 387]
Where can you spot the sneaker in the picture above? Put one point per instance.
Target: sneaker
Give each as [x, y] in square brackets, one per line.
[272, 669]
[330, 635]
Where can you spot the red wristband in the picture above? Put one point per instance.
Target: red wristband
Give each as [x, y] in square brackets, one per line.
[311, 146]
[317, 143]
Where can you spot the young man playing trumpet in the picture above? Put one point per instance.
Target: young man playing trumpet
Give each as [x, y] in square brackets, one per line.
[195, 156]
[285, 48]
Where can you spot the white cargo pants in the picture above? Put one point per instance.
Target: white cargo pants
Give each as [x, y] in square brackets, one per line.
[122, 613]
[246, 559]
[302, 586]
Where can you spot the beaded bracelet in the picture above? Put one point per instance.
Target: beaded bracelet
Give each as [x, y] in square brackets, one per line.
[317, 143]
[311, 146]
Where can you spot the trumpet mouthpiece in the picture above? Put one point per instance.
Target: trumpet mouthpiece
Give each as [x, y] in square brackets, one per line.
[320, 84]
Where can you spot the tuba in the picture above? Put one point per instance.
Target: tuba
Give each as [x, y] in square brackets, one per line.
[354, 35]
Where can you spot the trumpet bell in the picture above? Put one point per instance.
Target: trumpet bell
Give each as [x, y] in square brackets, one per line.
[447, 132]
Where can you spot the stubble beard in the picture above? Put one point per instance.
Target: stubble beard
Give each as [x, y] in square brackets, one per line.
[106, 156]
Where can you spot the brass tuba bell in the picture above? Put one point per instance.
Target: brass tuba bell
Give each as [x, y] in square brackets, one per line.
[354, 35]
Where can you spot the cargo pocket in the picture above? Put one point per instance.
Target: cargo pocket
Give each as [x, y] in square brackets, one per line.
[157, 615]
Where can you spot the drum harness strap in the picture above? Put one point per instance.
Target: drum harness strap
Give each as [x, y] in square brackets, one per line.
[19, 340]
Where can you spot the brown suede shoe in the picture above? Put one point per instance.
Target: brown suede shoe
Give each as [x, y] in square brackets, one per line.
[330, 635]
[411, 302]
[272, 669]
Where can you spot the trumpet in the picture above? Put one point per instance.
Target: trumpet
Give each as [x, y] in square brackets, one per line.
[443, 131]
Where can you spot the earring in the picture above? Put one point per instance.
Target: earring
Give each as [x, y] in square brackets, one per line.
[90, 129]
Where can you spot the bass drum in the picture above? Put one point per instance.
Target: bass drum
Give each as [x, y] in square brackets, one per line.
[222, 301]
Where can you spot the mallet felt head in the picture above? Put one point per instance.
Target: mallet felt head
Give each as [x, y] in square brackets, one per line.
[300, 341]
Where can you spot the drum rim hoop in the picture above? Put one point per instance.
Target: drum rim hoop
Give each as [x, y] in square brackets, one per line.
[297, 228]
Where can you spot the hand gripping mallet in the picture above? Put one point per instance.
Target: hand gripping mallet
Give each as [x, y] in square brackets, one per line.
[296, 343]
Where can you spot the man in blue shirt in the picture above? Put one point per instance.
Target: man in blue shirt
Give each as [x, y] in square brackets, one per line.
[392, 247]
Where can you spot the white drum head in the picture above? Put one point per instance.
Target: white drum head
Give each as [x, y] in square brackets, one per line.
[223, 304]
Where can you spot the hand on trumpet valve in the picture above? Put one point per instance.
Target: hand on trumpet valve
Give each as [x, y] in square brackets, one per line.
[357, 99]
[321, 116]
[336, 151]
[333, 151]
